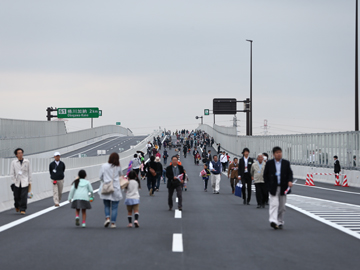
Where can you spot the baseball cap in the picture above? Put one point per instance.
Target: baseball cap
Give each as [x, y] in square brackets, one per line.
[56, 154]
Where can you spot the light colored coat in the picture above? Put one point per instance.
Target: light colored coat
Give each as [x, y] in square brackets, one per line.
[258, 177]
[21, 173]
[81, 192]
[108, 173]
[132, 190]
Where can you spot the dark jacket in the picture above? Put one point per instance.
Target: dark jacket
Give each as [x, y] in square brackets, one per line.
[337, 167]
[270, 178]
[151, 164]
[170, 176]
[159, 168]
[59, 175]
[242, 166]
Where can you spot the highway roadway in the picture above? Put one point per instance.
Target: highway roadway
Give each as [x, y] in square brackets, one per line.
[109, 144]
[214, 231]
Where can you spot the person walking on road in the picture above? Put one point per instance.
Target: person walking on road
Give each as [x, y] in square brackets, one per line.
[215, 169]
[165, 156]
[111, 171]
[21, 177]
[233, 174]
[205, 174]
[132, 200]
[245, 176]
[223, 160]
[337, 167]
[196, 157]
[151, 175]
[175, 175]
[219, 147]
[159, 170]
[278, 177]
[136, 164]
[79, 196]
[257, 175]
[57, 175]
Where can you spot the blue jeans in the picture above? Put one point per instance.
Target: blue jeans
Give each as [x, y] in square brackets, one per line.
[158, 179]
[114, 209]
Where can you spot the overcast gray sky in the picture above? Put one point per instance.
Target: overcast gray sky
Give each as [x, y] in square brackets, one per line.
[160, 63]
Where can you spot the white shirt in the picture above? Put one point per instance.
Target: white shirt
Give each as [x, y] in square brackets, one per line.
[278, 170]
[246, 163]
[57, 162]
[223, 159]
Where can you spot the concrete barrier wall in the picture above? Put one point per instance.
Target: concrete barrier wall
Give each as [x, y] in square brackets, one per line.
[34, 145]
[234, 145]
[226, 130]
[42, 186]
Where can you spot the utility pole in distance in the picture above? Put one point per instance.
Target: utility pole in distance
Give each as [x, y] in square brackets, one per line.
[356, 71]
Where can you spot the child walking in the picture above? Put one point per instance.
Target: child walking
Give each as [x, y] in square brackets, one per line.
[79, 197]
[205, 174]
[132, 200]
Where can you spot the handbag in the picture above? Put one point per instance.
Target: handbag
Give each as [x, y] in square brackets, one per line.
[152, 171]
[123, 182]
[108, 188]
[238, 190]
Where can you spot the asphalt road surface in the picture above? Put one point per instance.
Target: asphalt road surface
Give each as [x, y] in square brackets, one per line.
[218, 232]
[109, 144]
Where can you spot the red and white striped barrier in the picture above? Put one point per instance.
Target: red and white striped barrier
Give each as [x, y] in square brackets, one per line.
[310, 179]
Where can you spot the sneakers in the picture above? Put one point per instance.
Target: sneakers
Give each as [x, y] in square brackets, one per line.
[77, 221]
[130, 225]
[151, 192]
[113, 226]
[22, 212]
[205, 190]
[107, 223]
[83, 225]
[136, 223]
[17, 210]
[57, 205]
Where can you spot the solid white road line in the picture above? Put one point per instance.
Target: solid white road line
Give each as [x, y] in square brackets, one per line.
[177, 244]
[87, 150]
[177, 199]
[178, 214]
[336, 190]
[32, 216]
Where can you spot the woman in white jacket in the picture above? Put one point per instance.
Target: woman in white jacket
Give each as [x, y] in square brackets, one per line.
[111, 171]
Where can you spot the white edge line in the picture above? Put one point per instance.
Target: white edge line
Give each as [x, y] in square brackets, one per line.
[323, 200]
[336, 190]
[32, 216]
[331, 224]
[177, 244]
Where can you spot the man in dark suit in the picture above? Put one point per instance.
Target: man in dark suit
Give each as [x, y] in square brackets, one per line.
[245, 164]
[337, 168]
[174, 183]
[278, 177]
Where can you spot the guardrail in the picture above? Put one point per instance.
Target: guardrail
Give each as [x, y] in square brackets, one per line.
[42, 186]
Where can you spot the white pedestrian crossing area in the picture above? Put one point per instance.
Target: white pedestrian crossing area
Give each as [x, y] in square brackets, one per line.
[341, 216]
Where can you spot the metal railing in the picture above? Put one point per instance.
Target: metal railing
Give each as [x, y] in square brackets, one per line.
[301, 149]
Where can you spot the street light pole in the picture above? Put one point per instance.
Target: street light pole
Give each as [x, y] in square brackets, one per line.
[356, 71]
[251, 99]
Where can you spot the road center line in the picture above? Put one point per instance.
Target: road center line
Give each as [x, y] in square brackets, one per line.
[177, 244]
[178, 214]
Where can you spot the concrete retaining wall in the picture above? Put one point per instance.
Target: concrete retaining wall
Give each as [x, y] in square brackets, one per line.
[42, 186]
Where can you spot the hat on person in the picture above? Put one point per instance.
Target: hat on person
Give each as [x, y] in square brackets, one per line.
[157, 159]
[56, 154]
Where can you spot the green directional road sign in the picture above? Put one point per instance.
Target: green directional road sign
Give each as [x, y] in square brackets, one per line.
[206, 112]
[118, 123]
[78, 113]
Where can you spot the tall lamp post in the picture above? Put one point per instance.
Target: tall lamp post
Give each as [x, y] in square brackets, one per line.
[251, 99]
[356, 71]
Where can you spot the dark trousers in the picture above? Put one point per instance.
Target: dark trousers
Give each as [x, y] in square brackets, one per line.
[261, 193]
[151, 183]
[223, 166]
[246, 182]
[137, 171]
[20, 197]
[196, 161]
[233, 183]
[206, 180]
[178, 194]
